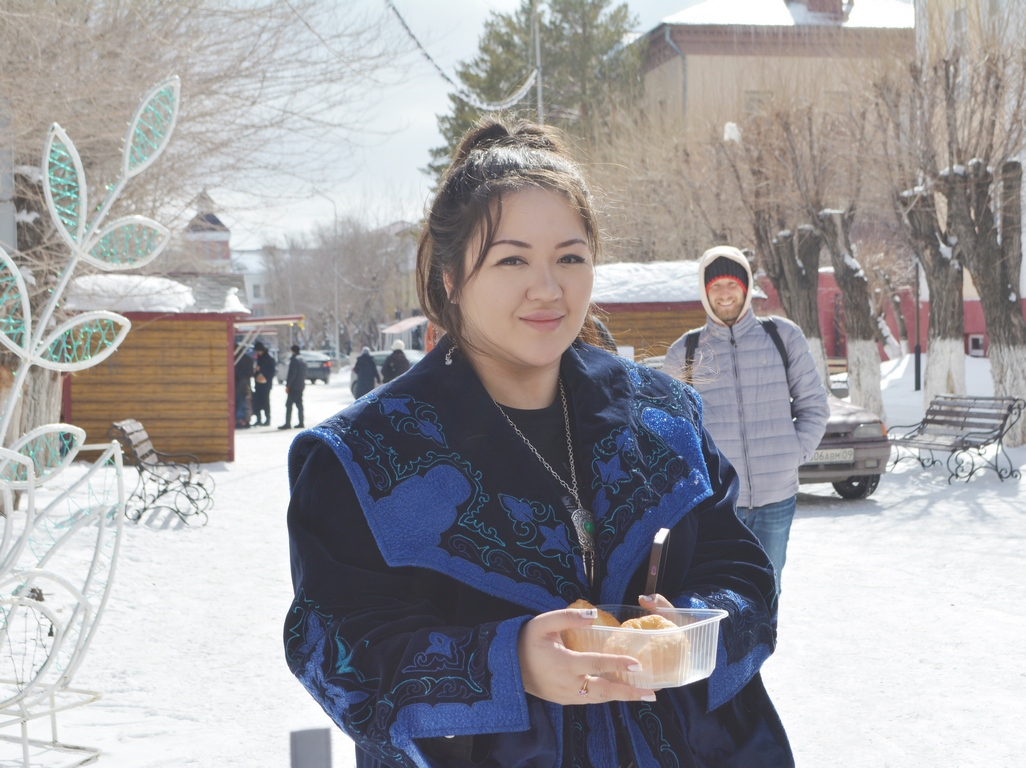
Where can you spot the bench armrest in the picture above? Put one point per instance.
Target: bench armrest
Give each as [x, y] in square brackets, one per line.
[984, 438]
[174, 457]
[914, 429]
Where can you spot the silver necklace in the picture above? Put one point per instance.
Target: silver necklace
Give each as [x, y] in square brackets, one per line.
[582, 519]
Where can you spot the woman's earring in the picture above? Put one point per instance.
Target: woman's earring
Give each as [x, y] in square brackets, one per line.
[448, 355]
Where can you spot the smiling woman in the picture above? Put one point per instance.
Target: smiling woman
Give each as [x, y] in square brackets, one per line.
[527, 301]
[442, 525]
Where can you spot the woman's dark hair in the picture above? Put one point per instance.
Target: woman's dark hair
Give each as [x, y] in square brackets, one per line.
[496, 158]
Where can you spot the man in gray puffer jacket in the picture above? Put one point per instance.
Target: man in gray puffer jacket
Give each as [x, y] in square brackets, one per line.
[764, 402]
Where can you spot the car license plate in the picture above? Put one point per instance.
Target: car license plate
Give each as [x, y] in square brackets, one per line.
[833, 456]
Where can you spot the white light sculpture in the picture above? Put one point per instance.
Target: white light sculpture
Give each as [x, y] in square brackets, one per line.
[59, 548]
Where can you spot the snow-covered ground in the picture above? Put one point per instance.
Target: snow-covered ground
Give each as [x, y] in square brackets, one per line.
[901, 626]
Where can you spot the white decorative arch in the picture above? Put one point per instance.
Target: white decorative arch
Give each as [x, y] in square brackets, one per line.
[59, 545]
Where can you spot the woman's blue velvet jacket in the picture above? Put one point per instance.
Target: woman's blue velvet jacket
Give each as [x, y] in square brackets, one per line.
[424, 534]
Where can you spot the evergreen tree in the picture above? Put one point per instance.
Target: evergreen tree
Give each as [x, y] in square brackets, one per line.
[589, 69]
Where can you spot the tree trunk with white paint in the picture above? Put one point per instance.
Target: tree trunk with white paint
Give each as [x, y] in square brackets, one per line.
[894, 299]
[892, 350]
[996, 266]
[945, 369]
[860, 326]
[792, 265]
[864, 375]
[1008, 369]
[818, 352]
[937, 250]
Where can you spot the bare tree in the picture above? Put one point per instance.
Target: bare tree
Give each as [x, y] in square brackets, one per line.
[827, 152]
[266, 87]
[907, 113]
[797, 170]
[964, 105]
[787, 247]
[895, 300]
[645, 195]
[366, 271]
[984, 208]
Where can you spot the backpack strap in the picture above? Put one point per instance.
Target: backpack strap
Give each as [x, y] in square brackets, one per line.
[771, 328]
[690, 346]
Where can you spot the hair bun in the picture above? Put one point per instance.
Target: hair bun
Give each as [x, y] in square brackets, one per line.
[498, 132]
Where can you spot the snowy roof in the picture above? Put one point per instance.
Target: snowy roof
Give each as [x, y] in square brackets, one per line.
[653, 282]
[128, 293]
[148, 293]
[656, 281]
[214, 292]
[893, 14]
[890, 14]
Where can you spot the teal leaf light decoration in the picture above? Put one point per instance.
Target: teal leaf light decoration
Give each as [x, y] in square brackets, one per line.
[151, 126]
[43, 643]
[127, 243]
[15, 313]
[83, 341]
[51, 448]
[64, 185]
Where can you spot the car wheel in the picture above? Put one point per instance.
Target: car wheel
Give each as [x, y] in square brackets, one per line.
[857, 487]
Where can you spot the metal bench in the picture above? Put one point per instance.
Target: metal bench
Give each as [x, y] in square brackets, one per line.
[963, 427]
[172, 481]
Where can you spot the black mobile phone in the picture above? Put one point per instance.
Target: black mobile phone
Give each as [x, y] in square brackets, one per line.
[660, 544]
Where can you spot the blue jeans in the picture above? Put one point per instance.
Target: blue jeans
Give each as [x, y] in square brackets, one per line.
[771, 525]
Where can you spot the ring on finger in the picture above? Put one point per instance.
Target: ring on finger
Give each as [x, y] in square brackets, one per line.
[584, 688]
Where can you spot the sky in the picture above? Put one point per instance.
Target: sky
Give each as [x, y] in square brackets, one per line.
[383, 181]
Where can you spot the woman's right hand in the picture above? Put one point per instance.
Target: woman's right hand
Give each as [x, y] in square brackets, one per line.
[553, 672]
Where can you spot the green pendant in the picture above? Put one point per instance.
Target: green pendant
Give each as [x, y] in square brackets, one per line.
[589, 527]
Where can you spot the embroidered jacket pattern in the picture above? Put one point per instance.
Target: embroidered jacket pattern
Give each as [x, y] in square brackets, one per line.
[424, 534]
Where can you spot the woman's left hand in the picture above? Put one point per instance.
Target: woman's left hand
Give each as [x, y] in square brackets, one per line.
[553, 672]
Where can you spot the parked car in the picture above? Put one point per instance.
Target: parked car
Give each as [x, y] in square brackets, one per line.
[853, 453]
[379, 356]
[318, 366]
[851, 456]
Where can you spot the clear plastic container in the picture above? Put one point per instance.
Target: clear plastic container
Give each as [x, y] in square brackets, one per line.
[668, 657]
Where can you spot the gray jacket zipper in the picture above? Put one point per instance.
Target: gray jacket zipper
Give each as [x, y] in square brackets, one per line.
[741, 413]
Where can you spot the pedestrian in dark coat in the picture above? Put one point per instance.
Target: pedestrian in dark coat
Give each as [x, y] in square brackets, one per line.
[396, 363]
[264, 377]
[243, 393]
[295, 383]
[366, 373]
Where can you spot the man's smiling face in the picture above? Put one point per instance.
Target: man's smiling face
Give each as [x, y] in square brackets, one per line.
[727, 299]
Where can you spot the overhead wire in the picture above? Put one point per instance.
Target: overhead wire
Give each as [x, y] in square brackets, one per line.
[461, 93]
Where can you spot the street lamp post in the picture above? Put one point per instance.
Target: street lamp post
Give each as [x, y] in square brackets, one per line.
[8, 225]
[918, 349]
[338, 341]
[537, 59]
[334, 243]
